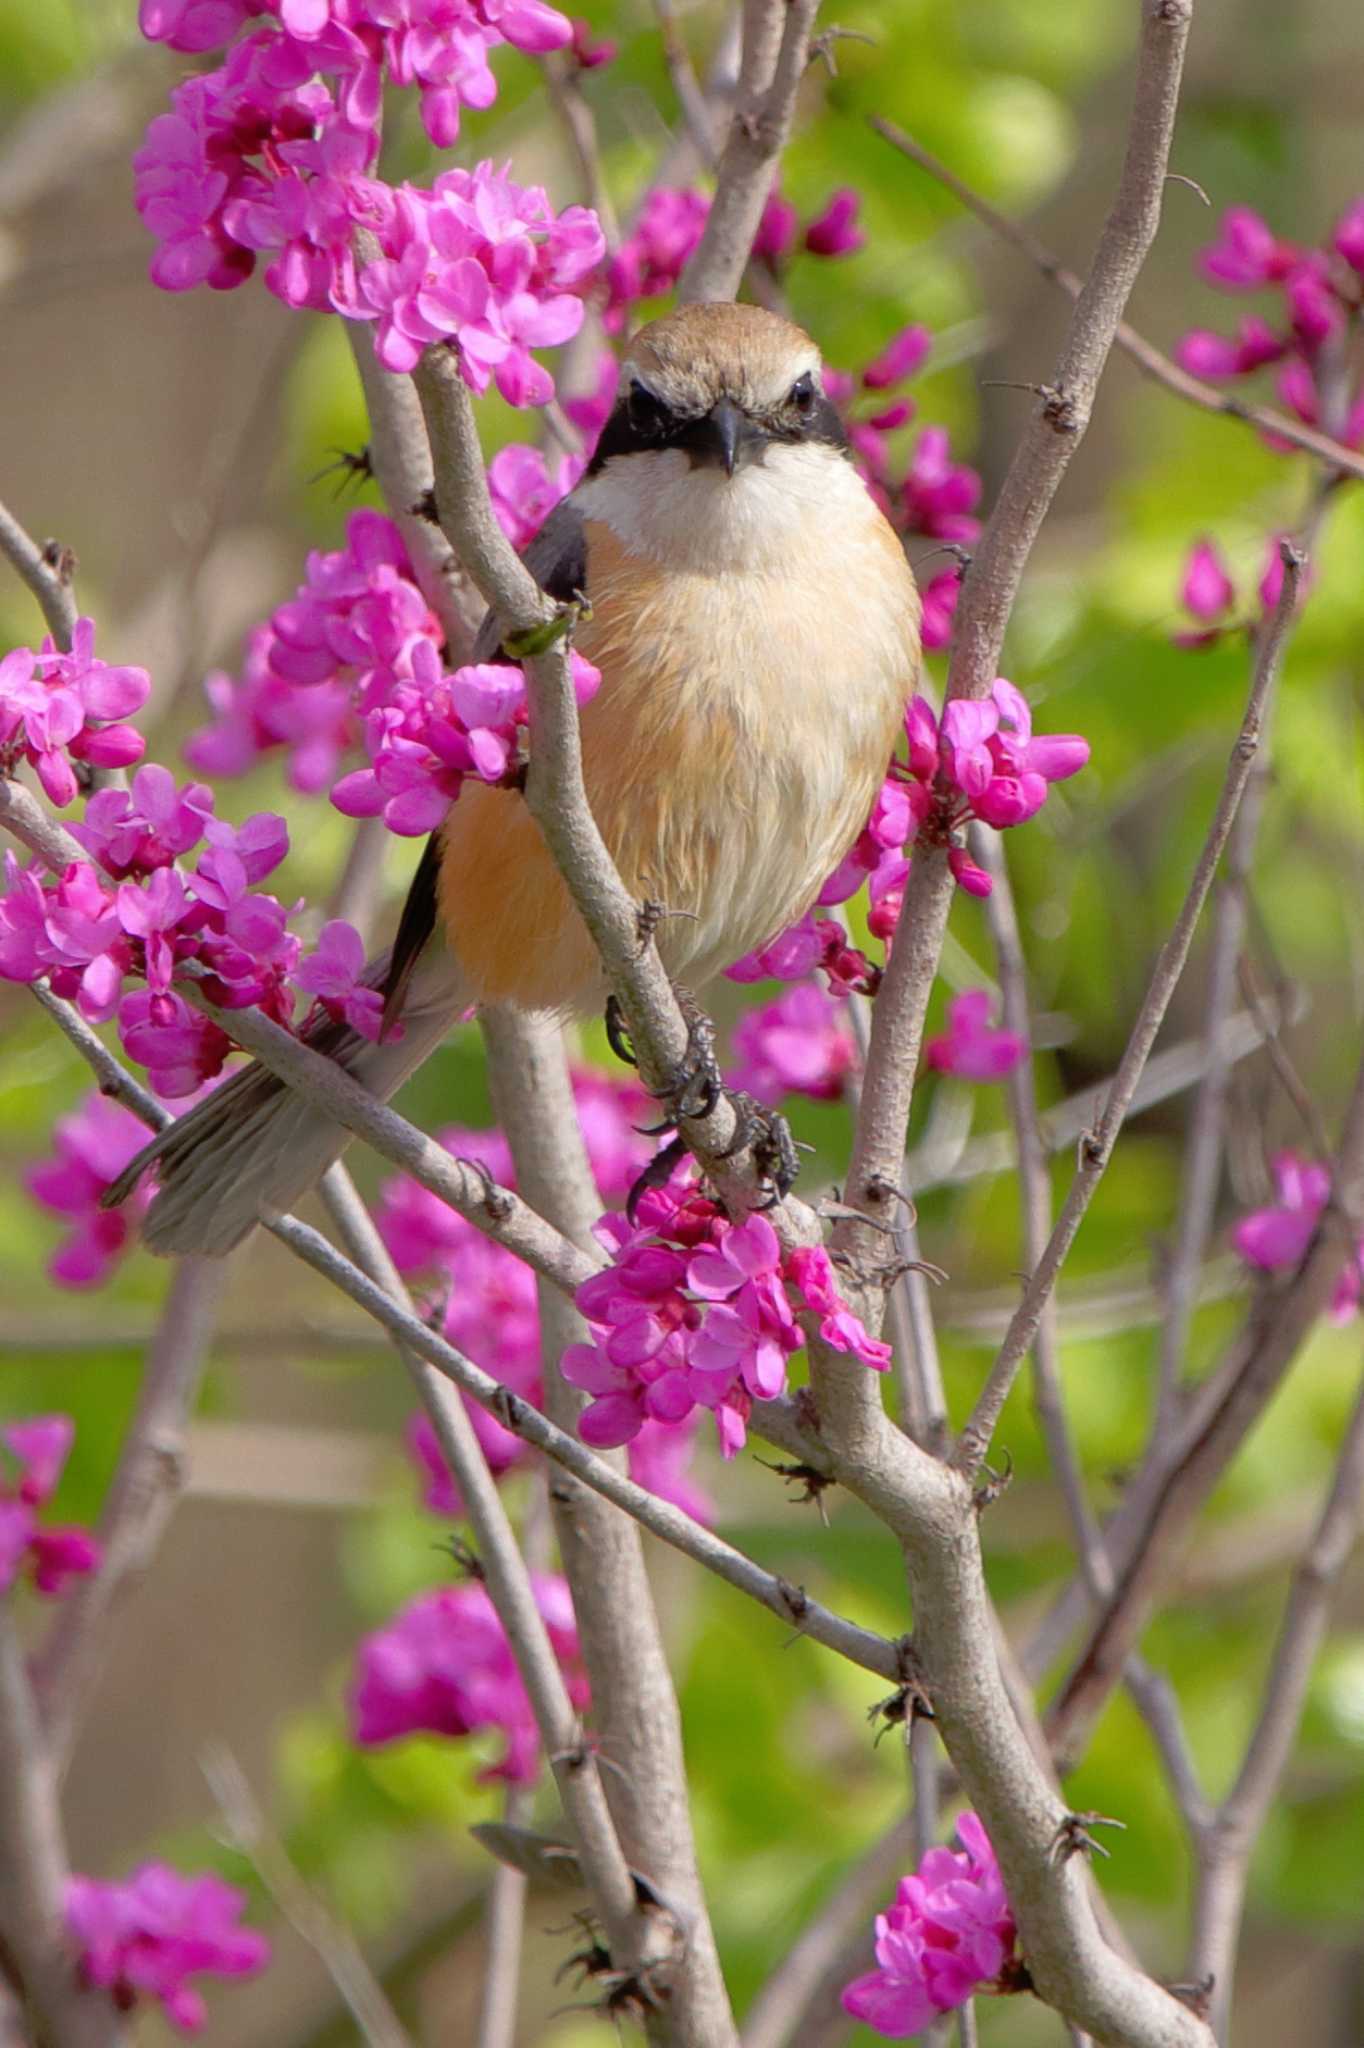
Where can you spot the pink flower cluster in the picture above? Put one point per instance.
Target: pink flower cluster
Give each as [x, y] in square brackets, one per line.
[1318, 294]
[39, 1449]
[443, 1666]
[93, 1145]
[337, 650]
[696, 1312]
[980, 760]
[145, 1936]
[1275, 1238]
[273, 153]
[1208, 594]
[798, 1044]
[133, 911]
[355, 655]
[651, 259]
[948, 1935]
[57, 708]
[490, 1309]
[972, 1047]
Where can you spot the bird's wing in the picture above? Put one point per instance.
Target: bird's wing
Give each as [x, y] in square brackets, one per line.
[557, 559]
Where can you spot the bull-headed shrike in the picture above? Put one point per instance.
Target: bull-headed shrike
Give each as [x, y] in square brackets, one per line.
[756, 626]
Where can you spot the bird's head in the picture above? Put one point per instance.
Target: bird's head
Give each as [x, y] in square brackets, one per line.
[726, 386]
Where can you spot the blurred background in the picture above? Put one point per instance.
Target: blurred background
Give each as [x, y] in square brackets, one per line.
[175, 444]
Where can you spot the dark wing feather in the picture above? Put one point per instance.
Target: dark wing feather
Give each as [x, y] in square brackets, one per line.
[557, 559]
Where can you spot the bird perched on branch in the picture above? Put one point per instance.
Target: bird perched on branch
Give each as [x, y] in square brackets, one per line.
[757, 630]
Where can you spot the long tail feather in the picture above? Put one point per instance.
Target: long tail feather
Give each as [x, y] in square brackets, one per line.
[255, 1147]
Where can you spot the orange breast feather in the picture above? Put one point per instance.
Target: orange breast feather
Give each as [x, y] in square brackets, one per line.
[731, 755]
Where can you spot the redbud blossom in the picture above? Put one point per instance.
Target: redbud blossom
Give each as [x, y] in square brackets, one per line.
[443, 1666]
[972, 1047]
[949, 1935]
[37, 1452]
[799, 1044]
[93, 1145]
[1207, 590]
[899, 359]
[1276, 1238]
[56, 708]
[1246, 254]
[145, 1936]
[835, 232]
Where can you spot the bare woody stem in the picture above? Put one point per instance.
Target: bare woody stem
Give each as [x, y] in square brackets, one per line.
[634, 1707]
[34, 1870]
[988, 592]
[776, 49]
[1144, 354]
[509, 1587]
[1097, 1146]
[140, 1503]
[1225, 1844]
[48, 572]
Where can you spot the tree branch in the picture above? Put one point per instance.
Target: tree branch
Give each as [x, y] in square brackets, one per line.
[48, 572]
[141, 1500]
[635, 1711]
[776, 50]
[988, 592]
[1096, 1148]
[1147, 357]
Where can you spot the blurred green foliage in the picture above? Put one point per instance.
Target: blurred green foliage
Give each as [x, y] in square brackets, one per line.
[788, 1785]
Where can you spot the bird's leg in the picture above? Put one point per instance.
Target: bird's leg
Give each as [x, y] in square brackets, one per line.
[692, 1090]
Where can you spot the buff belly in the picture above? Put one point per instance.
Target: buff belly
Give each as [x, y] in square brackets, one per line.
[731, 756]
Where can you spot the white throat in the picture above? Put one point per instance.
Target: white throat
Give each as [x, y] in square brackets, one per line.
[700, 522]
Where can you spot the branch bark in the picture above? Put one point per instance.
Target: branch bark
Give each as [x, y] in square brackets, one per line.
[1345, 461]
[776, 49]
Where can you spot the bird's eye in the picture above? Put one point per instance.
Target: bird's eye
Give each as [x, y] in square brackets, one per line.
[803, 393]
[648, 414]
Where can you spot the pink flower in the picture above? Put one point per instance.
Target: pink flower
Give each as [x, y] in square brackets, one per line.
[948, 1935]
[812, 1271]
[443, 1666]
[940, 605]
[525, 488]
[332, 974]
[991, 755]
[940, 496]
[93, 1145]
[1205, 354]
[798, 1044]
[56, 708]
[1348, 239]
[899, 359]
[972, 1048]
[649, 262]
[1246, 254]
[777, 231]
[590, 49]
[147, 1935]
[835, 231]
[1278, 1236]
[38, 1450]
[1207, 590]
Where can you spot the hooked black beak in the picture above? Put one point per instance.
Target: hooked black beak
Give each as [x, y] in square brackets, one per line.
[725, 435]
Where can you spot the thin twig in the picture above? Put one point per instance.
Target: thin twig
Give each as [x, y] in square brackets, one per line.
[634, 1705]
[775, 52]
[1096, 1147]
[1219, 1418]
[1225, 1845]
[48, 572]
[1142, 352]
[308, 1914]
[34, 1871]
[692, 101]
[779, 2012]
[141, 1500]
[988, 593]
[508, 1582]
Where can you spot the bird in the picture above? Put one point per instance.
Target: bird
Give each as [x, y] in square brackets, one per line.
[756, 625]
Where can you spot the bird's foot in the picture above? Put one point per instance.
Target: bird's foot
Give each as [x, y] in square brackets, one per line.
[694, 1089]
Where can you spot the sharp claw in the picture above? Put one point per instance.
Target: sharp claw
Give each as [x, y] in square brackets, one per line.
[655, 1175]
[617, 1037]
